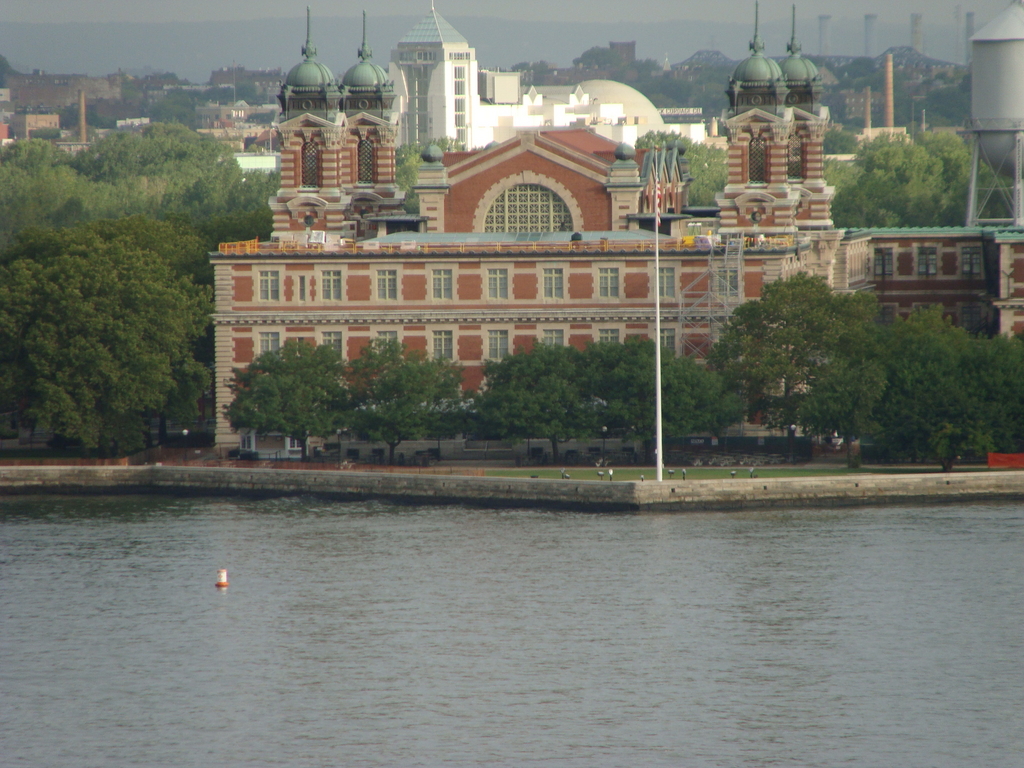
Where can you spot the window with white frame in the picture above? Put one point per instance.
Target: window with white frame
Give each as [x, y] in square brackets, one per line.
[332, 339]
[330, 285]
[388, 335]
[387, 283]
[970, 260]
[246, 441]
[610, 335]
[883, 262]
[497, 283]
[927, 260]
[442, 283]
[270, 341]
[608, 282]
[668, 339]
[554, 336]
[270, 285]
[497, 344]
[553, 283]
[667, 282]
[294, 444]
[302, 287]
[444, 347]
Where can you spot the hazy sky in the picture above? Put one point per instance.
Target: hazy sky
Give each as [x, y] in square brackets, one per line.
[889, 11]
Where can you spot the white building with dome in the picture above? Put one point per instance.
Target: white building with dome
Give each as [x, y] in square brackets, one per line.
[442, 92]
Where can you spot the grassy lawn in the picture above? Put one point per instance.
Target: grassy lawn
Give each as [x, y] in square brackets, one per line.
[722, 473]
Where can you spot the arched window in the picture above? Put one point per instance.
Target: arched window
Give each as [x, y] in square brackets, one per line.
[757, 161]
[528, 208]
[365, 151]
[310, 164]
[796, 157]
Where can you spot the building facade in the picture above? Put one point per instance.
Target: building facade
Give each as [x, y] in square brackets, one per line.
[548, 237]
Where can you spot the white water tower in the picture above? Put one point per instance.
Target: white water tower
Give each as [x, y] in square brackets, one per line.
[997, 118]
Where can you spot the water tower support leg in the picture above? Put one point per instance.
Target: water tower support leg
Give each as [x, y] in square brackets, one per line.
[1018, 192]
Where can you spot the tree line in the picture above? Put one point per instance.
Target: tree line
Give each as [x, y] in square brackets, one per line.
[922, 388]
[390, 394]
[801, 356]
[163, 171]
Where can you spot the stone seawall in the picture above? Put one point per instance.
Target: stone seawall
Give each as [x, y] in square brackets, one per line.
[585, 495]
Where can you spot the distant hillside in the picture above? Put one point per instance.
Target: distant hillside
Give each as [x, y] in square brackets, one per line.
[194, 49]
[5, 70]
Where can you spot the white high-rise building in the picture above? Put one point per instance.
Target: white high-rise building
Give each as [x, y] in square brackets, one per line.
[435, 75]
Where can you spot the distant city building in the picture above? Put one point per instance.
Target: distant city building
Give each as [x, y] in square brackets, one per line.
[57, 91]
[24, 125]
[441, 92]
[434, 70]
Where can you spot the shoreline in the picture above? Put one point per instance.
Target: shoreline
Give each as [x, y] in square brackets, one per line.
[580, 495]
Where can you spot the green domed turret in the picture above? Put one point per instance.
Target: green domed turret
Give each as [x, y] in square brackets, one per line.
[309, 86]
[365, 86]
[802, 77]
[757, 82]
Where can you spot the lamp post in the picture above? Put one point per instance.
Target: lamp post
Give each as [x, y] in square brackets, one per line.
[792, 442]
[184, 448]
[604, 439]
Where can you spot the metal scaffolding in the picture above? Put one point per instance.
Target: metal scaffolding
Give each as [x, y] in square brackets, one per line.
[707, 303]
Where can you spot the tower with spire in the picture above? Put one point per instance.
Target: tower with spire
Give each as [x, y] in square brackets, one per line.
[337, 151]
[776, 128]
[435, 74]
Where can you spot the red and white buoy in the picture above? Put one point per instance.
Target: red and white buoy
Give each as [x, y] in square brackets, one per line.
[222, 578]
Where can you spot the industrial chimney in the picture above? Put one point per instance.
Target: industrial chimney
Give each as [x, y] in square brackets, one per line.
[916, 39]
[824, 49]
[869, 33]
[968, 34]
[888, 116]
[83, 133]
[867, 111]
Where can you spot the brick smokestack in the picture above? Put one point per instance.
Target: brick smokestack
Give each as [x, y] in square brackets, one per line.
[888, 92]
[83, 133]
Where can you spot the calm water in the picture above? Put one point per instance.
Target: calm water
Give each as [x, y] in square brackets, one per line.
[365, 635]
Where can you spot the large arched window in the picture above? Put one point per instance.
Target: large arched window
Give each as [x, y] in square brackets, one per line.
[310, 164]
[757, 161]
[796, 157]
[365, 151]
[528, 208]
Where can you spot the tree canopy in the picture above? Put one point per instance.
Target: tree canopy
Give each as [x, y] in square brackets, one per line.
[399, 394]
[297, 390]
[96, 332]
[902, 183]
[164, 170]
[776, 348]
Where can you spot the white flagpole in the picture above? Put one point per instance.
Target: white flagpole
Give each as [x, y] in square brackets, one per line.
[659, 464]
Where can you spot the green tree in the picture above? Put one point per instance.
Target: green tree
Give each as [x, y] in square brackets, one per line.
[298, 391]
[621, 383]
[399, 394]
[906, 184]
[540, 393]
[92, 336]
[776, 349]
[839, 142]
[948, 393]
